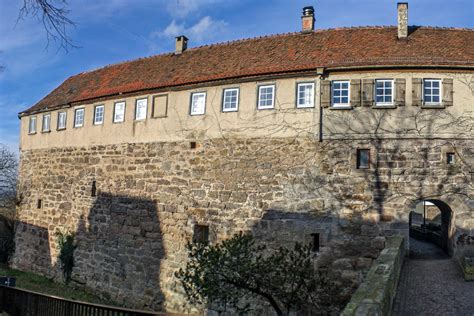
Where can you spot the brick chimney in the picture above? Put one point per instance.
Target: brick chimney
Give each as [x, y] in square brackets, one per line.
[307, 19]
[181, 44]
[402, 8]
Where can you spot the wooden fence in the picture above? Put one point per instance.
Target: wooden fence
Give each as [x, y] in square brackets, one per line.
[19, 302]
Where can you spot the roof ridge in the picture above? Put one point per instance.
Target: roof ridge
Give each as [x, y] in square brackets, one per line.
[248, 39]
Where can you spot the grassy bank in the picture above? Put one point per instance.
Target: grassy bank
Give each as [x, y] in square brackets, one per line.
[33, 282]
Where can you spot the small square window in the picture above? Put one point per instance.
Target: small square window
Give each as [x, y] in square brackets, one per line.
[305, 95]
[230, 100]
[201, 234]
[363, 158]
[383, 92]
[432, 91]
[62, 117]
[39, 204]
[99, 114]
[79, 118]
[32, 125]
[198, 103]
[450, 158]
[340, 94]
[119, 112]
[266, 97]
[141, 107]
[46, 123]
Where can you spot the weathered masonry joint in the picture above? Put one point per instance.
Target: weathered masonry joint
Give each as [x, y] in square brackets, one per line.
[272, 136]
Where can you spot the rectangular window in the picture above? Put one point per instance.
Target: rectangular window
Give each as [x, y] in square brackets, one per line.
[230, 100]
[198, 103]
[432, 91]
[79, 118]
[141, 107]
[46, 123]
[266, 97]
[160, 106]
[363, 158]
[340, 93]
[383, 92]
[32, 125]
[62, 120]
[201, 234]
[450, 158]
[315, 243]
[119, 112]
[305, 95]
[99, 115]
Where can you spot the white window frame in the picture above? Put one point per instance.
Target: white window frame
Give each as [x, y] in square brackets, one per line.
[298, 99]
[384, 81]
[194, 98]
[46, 123]
[59, 127]
[138, 105]
[431, 94]
[32, 125]
[120, 103]
[341, 105]
[231, 109]
[259, 98]
[76, 122]
[99, 120]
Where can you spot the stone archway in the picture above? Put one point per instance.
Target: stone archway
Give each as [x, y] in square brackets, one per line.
[437, 224]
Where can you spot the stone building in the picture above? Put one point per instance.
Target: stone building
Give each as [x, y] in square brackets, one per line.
[330, 137]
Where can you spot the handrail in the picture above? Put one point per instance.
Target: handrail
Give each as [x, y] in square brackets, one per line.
[25, 302]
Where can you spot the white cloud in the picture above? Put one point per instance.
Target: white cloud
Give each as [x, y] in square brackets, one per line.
[205, 28]
[182, 8]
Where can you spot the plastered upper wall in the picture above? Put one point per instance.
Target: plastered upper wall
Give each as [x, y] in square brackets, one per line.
[285, 120]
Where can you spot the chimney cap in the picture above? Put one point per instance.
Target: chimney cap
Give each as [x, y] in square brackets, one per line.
[309, 10]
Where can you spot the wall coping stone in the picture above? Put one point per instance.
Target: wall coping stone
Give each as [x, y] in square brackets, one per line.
[376, 293]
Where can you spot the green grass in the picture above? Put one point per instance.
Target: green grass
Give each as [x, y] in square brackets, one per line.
[36, 283]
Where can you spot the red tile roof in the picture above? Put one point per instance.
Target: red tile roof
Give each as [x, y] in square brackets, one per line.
[276, 54]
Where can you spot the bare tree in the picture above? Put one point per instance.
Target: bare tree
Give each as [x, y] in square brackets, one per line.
[53, 16]
[8, 173]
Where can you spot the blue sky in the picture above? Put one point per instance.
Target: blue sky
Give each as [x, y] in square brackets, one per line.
[110, 31]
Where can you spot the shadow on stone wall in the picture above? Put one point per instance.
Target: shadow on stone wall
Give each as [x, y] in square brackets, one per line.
[345, 258]
[32, 249]
[120, 249]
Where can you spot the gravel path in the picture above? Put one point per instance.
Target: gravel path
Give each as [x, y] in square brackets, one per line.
[432, 284]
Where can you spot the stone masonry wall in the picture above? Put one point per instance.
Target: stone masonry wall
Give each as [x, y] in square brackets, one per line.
[131, 236]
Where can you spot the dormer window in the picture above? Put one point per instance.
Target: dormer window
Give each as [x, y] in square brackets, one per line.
[32, 125]
[46, 123]
[432, 92]
[340, 94]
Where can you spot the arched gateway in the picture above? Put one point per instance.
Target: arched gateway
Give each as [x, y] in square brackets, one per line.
[432, 220]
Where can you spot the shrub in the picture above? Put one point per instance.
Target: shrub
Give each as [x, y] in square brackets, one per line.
[66, 248]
